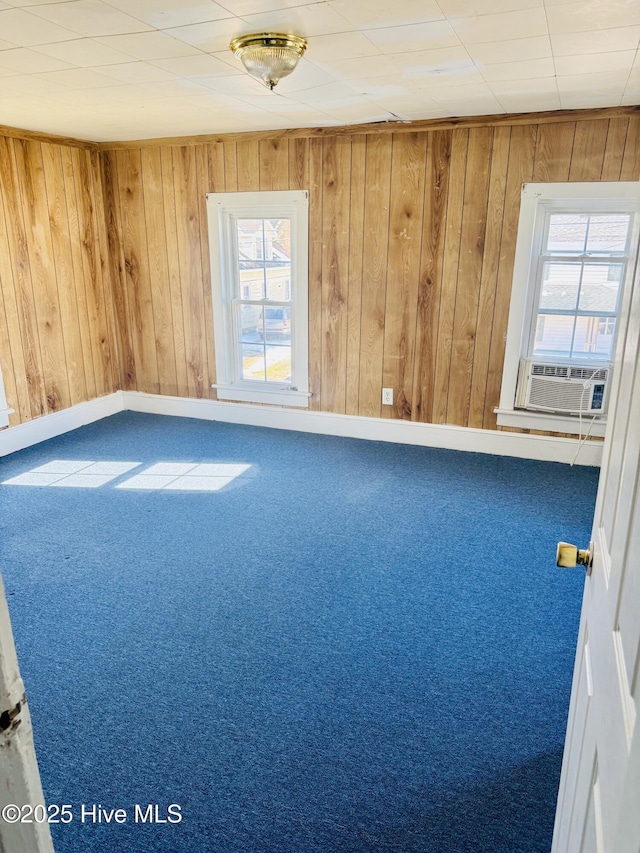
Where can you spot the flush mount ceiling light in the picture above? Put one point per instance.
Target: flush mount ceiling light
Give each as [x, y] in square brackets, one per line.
[269, 56]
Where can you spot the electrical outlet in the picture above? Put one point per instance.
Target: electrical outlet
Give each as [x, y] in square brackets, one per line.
[387, 396]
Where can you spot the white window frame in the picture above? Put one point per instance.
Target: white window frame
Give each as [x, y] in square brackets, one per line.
[536, 200]
[223, 209]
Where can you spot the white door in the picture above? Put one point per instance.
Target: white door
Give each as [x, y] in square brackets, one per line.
[599, 797]
[23, 827]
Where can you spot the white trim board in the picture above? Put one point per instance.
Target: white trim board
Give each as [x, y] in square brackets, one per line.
[538, 447]
[49, 426]
[523, 446]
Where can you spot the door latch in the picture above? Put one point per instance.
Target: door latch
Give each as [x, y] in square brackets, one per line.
[569, 556]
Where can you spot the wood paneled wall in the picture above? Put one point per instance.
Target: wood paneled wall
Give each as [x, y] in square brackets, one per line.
[412, 241]
[104, 258]
[57, 335]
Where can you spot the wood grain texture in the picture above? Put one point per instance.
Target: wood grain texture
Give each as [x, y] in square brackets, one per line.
[104, 269]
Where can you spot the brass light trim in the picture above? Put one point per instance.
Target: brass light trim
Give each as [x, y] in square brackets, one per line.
[269, 56]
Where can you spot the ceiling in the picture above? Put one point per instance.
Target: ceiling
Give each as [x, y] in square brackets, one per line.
[131, 69]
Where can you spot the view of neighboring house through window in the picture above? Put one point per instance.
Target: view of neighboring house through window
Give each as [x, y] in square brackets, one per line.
[259, 271]
[581, 268]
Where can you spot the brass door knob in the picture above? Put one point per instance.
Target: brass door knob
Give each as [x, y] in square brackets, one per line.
[569, 556]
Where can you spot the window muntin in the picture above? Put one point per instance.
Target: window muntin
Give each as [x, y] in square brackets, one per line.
[581, 265]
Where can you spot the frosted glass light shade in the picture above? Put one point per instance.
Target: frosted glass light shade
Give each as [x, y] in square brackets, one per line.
[269, 56]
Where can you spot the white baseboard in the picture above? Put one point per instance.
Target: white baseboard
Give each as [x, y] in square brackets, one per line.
[49, 426]
[539, 447]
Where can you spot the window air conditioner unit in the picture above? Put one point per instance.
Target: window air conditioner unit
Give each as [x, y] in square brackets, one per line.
[567, 389]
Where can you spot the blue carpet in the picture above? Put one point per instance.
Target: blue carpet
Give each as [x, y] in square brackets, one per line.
[352, 647]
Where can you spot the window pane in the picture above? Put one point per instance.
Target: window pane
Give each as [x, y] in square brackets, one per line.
[250, 239]
[593, 337]
[553, 335]
[277, 239]
[251, 329]
[608, 232]
[277, 324]
[567, 232]
[279, 363]
[279, 283]
[600, 286]
[560, 284]
[251, 281]
[253, 362]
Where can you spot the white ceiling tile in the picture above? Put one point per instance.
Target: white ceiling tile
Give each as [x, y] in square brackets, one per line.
[328, 94]
[24, 29]
[463, 75]
[375, 14]
[423, 63]
[154, 45]
[365, 66]
[340, 46]
[256, 7]
[135, 72]
[534, 87]
[176, 88]
[479, 105]
[306, 75]
[471, 8]
[634, 77]
[20, 3]
[77, 78]
[529, 69]
[27, 85]
[201, 65]
[510, 50]
[631, 97]
[502, 27]
[619, 60]
[26, 61]
[8, 72]
[7, 45]
[595, 41]
[593, 15]
[236, 85]
[418, 37]
[589, 100]
[459, 92]
[318, 19]
[602, 81]
[90, 18]
[530, 103]
[211, 37]
[169, 13]
[84, 53]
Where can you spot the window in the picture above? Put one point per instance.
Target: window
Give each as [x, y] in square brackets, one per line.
[574, 255]
[258, 245]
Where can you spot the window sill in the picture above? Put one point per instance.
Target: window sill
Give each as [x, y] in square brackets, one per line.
[276, 397]
[548, 422]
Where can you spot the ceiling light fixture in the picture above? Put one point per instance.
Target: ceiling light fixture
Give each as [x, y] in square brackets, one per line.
[269, 56]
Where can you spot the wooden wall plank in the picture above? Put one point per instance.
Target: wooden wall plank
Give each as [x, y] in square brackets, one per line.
[298, 164]
[97, 271]
[553, 152]
[631, 160]
[9, 372]
[43, 274]
[274, 164]
[472, 238]
[174, 271]
[403, 265]
[12, 361]
[374, 273]
[455, 201]
[336, 178]
[354, 294]
[436, 189]
[614, 149]
[521, 159]
[315, 273]
[189, 253]
[202, 171]
[490, 263]
[587, 156]
[113, 216]
[62, 257]
[136, 263]
[158, 265]
[216, 168]
[230, 167]
[79, 283]
[15, 279]
[248, 164]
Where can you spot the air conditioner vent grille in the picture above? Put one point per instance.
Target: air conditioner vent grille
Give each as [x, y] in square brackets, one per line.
[549, 370]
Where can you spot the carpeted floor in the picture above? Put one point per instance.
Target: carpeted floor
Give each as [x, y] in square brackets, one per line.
[321, 645]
